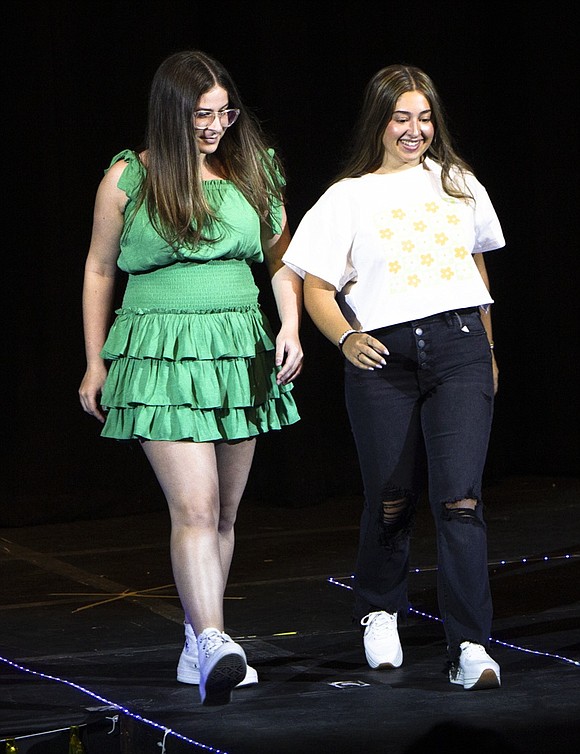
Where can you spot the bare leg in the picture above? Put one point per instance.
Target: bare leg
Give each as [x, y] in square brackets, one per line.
[203, 484]
[234, 461]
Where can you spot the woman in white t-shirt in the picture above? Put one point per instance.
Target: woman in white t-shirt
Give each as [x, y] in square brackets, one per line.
[394, 275]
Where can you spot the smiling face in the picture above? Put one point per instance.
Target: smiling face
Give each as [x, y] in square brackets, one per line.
[208, 139]
[408, 134]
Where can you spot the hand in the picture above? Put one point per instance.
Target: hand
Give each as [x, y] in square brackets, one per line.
[90, 392]
[289, 357]
[364, 351]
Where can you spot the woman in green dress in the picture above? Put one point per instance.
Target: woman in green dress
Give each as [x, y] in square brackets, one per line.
[190, 367]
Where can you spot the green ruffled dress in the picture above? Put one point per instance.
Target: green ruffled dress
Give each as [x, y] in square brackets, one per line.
[191, 353]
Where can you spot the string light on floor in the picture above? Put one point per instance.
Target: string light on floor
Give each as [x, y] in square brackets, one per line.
[341, 582]
[537, 559]
[112, 705]
[11, 742]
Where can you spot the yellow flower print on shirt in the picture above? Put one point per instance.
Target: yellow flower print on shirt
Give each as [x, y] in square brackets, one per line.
[422, 247]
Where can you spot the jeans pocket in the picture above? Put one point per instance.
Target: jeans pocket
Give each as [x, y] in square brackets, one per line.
[470, 321]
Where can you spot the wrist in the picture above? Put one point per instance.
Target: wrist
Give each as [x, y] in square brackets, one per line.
[344, 336]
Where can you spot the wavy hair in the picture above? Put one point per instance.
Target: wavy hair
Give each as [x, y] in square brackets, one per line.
[172, 189]
[380, 98]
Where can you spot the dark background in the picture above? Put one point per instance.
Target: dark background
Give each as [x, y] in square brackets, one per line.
[76, 81]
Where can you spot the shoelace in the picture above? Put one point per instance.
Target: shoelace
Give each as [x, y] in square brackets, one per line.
[473, 650]
[210, 641]
[379, 621]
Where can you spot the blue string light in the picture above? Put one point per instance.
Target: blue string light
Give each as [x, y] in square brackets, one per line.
[335, 581]
[339, 581]
[167, 731]
[537, 559]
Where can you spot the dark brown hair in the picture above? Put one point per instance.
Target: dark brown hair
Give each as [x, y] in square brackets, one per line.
[379, 102]
[172, 190]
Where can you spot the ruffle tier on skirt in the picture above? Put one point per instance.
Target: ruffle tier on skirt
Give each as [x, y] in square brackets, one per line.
[195, 371]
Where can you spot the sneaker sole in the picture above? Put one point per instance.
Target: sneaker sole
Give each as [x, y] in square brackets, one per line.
[224, 677]
[396, 662]
[192, 677]
[487, 680]
[386, 665]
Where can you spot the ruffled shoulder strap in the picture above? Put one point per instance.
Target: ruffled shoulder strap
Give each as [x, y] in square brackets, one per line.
[132, 177]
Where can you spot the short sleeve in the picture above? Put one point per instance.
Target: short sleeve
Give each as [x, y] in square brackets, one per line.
[488, 232]
[322, 243]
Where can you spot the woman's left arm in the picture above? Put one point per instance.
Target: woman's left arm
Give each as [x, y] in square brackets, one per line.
[287, 288]
[486, 318]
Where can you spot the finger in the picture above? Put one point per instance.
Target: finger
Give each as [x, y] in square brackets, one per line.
[93, 409]
[377, 346]
[363, 361]
[98, 413]
[370, 356]
[280, 351]
[369, 346]
[289, 372]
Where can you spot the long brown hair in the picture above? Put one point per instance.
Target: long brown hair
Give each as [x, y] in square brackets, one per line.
[172, 189]
[379, 102]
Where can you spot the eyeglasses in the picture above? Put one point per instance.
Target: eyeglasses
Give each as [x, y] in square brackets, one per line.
[205, 118]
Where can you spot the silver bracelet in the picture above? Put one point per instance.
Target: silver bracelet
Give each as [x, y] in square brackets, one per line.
[344, 336]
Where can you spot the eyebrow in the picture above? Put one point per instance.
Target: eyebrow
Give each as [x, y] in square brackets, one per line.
[408, 112]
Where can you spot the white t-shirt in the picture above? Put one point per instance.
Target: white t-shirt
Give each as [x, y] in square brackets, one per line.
[396, 247]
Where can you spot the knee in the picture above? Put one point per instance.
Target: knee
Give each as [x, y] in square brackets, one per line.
[397, 516]
[465, 510]
[226, 523]
[193, 516]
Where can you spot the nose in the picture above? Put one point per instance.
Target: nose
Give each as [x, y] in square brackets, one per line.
[212, 125]
[414, 127]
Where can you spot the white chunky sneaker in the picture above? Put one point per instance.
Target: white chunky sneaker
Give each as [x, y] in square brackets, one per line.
[222, 665]
[188, 665]
[381, 640]
[475, 669]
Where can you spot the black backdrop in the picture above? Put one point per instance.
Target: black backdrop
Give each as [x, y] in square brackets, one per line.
[76, 79]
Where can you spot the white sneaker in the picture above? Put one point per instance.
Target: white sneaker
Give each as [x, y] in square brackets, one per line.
[188, 665]
[475, 669]
[222, 665]
[381, 640]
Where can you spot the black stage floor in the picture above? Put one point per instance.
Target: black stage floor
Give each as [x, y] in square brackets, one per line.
[91, 630]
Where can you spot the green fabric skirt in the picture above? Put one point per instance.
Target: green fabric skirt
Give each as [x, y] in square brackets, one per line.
[191, 357]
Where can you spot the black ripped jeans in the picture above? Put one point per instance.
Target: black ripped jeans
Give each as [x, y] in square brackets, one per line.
[427, 413]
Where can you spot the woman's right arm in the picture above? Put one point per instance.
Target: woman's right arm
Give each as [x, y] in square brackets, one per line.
[360, 348]
[99, 285]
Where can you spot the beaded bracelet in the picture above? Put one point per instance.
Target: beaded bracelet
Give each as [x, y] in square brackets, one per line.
[344, 336]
